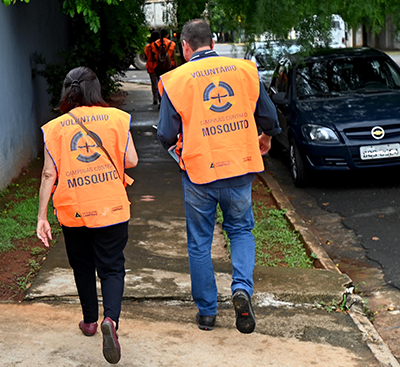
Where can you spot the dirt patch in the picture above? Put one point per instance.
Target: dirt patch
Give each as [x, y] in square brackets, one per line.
[263, 194]
[18, 269]
[19, 266]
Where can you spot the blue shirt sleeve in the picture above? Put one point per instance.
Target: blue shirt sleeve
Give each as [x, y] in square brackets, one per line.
[265, 115]
[169, 123]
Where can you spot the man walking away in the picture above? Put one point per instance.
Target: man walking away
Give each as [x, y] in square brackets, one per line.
[163, 49]
[214, 104]
[151, 65]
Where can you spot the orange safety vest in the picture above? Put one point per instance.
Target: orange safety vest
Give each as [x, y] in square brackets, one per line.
[216, 98]
[89, 191]
[151, 59]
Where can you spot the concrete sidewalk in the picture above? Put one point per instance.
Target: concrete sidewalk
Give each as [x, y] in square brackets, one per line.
[158, 321]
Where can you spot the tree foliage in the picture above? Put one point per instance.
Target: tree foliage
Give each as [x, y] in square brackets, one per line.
[77, 7]
[105, 35]
[186, 10]
[257, 16]
[221, 19]
[280, 16]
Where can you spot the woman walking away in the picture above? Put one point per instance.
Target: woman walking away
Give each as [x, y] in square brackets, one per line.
[86, 152]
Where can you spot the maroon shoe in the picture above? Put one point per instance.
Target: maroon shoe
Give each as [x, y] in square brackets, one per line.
[111, 347]
[89, 329]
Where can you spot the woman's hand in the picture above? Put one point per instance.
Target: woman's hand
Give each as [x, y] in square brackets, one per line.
[43, 231]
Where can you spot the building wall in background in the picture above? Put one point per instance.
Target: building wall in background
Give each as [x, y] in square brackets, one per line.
[24, 103]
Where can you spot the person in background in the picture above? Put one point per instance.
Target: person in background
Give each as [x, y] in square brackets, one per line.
[151, 65]
[214, 104]
[163, 47]
[89, 197]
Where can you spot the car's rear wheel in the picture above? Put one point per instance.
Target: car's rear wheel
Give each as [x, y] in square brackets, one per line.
[299, 174]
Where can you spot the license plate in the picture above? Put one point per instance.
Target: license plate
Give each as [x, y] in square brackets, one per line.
[380, 151]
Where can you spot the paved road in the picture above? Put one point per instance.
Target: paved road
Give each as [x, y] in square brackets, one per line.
[356, 217]
[395, 57]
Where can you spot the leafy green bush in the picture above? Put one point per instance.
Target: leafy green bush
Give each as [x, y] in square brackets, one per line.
[107, 45]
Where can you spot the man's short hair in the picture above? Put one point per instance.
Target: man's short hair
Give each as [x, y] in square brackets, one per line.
[197, 33]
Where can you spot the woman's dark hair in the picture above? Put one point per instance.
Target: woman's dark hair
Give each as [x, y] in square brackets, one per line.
[155, 35]
[197, 33]
[80, 88]
[163, 34]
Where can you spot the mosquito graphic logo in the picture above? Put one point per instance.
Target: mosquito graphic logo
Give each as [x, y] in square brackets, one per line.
[218, 97]
[84, 147]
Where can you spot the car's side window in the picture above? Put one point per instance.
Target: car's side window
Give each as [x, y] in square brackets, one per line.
[283, 80]
[275, 79]
[309, 80]
[395, 77]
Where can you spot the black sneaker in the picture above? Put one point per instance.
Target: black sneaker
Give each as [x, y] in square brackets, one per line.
[205, 322]
[245, 319]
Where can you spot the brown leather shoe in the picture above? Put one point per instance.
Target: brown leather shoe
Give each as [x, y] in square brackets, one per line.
[89, 329]
[111, 347]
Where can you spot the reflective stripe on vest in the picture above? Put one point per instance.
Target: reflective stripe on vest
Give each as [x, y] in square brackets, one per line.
[216, 98]
[89, 192]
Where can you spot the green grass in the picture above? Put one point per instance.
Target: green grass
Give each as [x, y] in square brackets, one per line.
[18, 219]
[27, 190]
[37, 251]
[276, 243]
[4, 192]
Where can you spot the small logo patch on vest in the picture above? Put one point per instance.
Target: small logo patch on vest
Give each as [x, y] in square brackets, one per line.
[212, 165]
[89, 214]
[78, 215]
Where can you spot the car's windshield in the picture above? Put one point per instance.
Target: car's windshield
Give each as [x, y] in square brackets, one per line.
[350, 74]
[267, 55]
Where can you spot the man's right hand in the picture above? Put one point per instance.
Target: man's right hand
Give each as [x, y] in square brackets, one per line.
[265, 143]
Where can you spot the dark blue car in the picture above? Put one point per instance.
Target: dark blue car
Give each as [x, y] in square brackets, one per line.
[339, 109]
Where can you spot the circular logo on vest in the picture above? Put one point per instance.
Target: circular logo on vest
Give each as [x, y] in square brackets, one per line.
[82, 146]
[217, 97]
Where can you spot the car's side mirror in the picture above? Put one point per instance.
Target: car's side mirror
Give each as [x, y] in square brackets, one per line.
[279, 98]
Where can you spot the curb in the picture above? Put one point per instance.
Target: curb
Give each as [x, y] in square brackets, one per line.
[313, 246]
